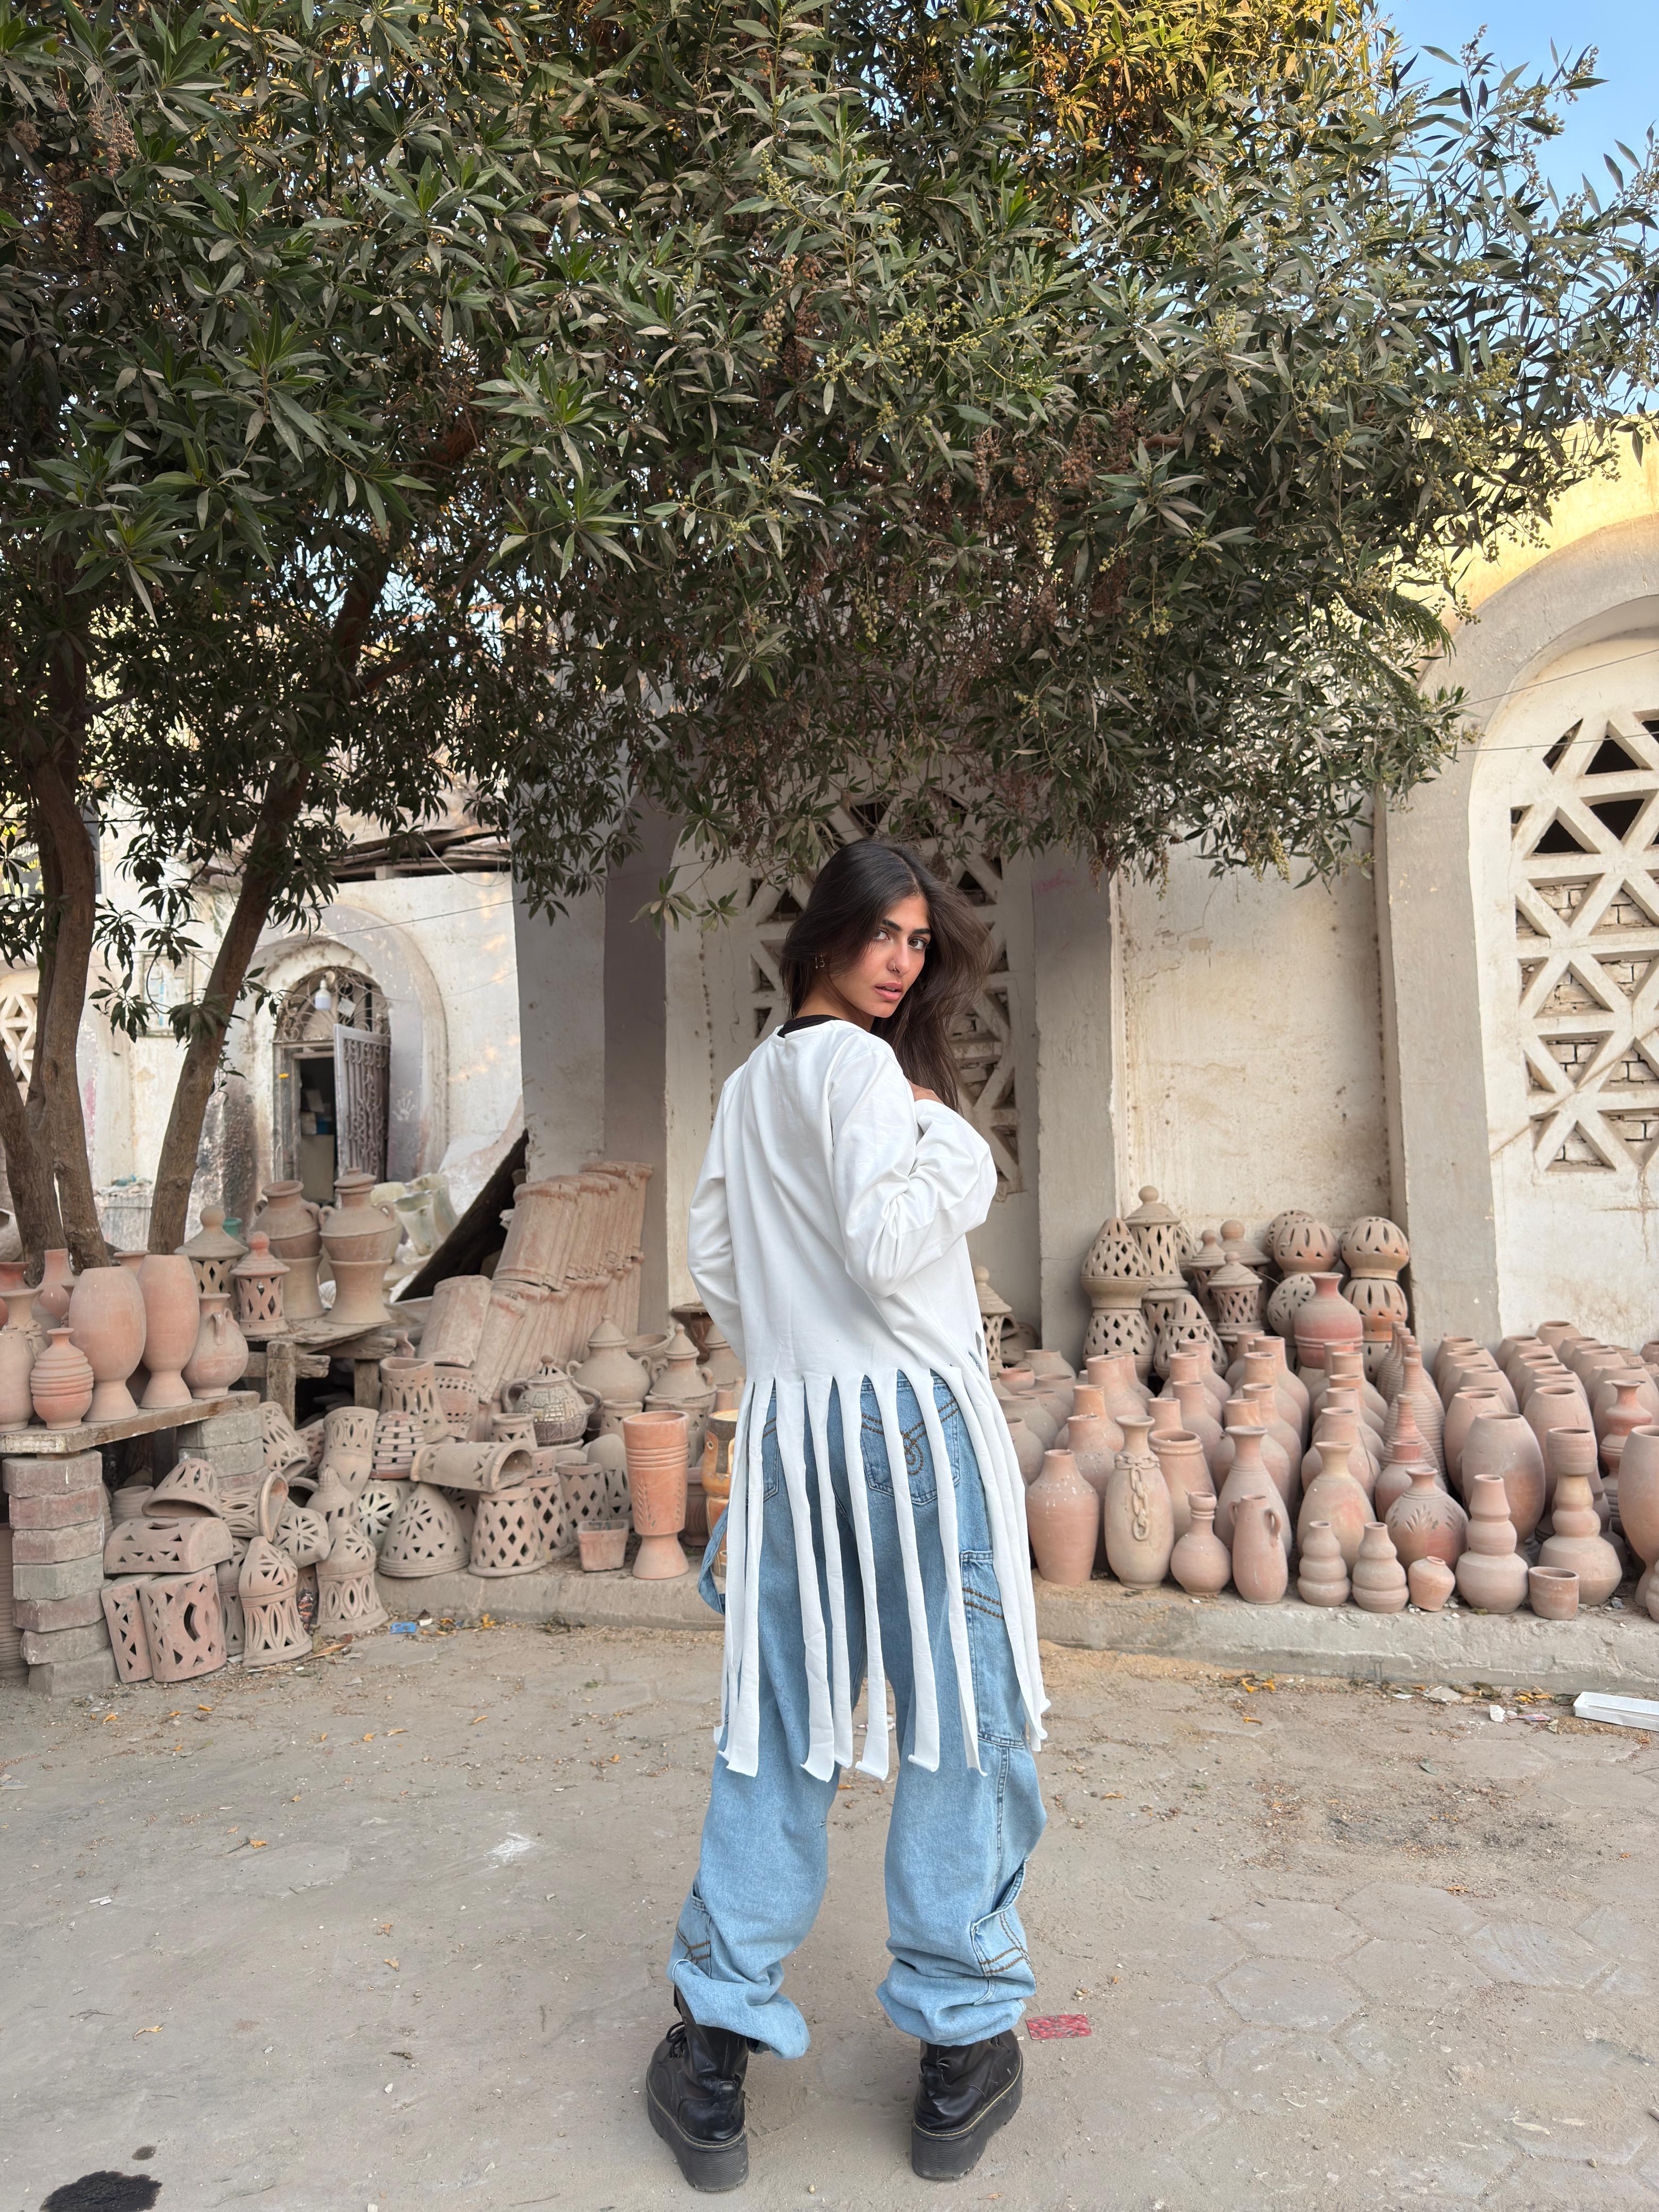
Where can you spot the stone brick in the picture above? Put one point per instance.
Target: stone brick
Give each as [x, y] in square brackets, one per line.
[44, 1646]
[60, 1511]
[74, 1678]
[234, 1459]
[33, 1546]
[59, 1611]
[52, 1478]
[63, 1579]
[240, 1426]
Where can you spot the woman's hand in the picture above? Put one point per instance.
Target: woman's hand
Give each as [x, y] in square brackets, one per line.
[918, 1093]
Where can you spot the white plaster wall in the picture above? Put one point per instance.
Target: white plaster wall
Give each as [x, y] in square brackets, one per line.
[1252, 1042]
[561, 1017]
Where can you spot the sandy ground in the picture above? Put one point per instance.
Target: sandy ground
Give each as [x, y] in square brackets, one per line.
[388, 1931]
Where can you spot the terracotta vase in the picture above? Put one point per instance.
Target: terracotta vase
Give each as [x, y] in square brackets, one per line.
[610, 1370]
[682, 1387]
[1139, 1522]
[1430, 1583]
[1197, 1419]
[52, 1299]
[1181, 1457]
[1575, 1541]
[1199, 1561]
[61, 1382]
[106, 1320]
[17, 1360]
[1322, 1571]
[1452, 1350]
[355, 1229]
[1552, 1593]
[1061, 1514]
[1490, 1575]
[1114, 1375]
[1504, 1445]
[1090, 1429]
[1623, 1400]
[20, 1315]
[1333, 1496]
[1379, 1580]
[1325, 1320]
[1037, 1416]
[1638, 1499]
[173, 1320]
[1557, 1406]
[1468, 1406]
[1189, 1365]
[1264, 1380]
[291, 1222]
[657, 1444]
[1028, 1447]
[1249, 1477]
[1261, 1564]
[221, 1355]
[1427, 1523]
[1345, 1366]
[1339, 1424]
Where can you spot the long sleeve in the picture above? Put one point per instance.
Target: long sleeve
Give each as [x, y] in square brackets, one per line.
[909, 1176]
[709, 1242]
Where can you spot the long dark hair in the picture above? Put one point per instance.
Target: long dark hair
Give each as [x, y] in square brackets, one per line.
[855, 888]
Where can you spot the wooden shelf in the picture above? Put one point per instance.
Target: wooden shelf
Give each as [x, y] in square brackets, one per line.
[89, 1436]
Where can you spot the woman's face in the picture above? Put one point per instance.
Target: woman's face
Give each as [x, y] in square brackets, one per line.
[878, 980]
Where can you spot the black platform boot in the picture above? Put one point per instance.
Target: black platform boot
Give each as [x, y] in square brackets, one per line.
[966, 2093]
[695, 2091]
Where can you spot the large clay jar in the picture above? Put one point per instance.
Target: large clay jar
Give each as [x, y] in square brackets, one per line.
[1557, 1406]
[1139, 1519]
[1490, 1575]
[1038, 1415]
[1575, 1541]
[1325, 1320]
[60, 1383]
[1181, 1457]
[1503, 1444]
[610, 1370]
[1114, 1376]
[1468, 1405]
[1061, 1513]
[1199, 1561]
[221, 1355]
[17, 1359]
[52, 1299]
[1453, 1350]
[106, 1323]
[1322, 1571]
[173, 1320]
[1261, 1566]
[1282, 1444]
[656, 1443]
[1638, 1499]
[1379, 1580]
[1198, 1420]
[1028, 1447]
[292, 1223]
[1430, 1583]
[1090, 1429]
[354, 1228]
[1249, 1476]
[1427, 1523]
[1335, 1497]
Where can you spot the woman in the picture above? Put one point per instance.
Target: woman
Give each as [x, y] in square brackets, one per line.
[876, 1516]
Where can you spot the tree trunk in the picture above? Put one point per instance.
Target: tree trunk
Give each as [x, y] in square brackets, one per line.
[40, 1223]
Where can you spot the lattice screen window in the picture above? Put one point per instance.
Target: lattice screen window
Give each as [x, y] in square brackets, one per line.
[19, 1002]
[983, 1037]
[1587, 945]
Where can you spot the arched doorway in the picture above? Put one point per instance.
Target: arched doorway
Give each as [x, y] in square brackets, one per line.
[332, 1055]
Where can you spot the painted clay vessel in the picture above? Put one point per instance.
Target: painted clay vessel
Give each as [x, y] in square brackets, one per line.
[1181, 1457]
[1322, 1571]
[1379, 1580]
[656, 1442]
[1200, 1561]
[1552, 1593]
[1504, 1445]
[52, 1299]
[1490, 1575]
[1333, 1496]
[173, 1320]
[1261, 1570]
[1427, 1523]
[106, 1323]
[1468, 1405]
[1249, 1477]
[221, 1355]
[1325, 1320]
[1430, 1583]
[1061, 1513]
[61, 1382]
[17, 1359]
[1575, 1541]
[1139, 1522]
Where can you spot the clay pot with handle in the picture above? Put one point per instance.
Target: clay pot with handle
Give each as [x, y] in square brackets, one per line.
[1261, 1536]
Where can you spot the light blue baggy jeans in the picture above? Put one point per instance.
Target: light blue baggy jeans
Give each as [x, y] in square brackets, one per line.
[957, 1841]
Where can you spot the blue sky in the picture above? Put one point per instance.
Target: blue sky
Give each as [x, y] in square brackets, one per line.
[1521, 31]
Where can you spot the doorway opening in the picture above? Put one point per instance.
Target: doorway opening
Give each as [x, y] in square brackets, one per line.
[333, 1056]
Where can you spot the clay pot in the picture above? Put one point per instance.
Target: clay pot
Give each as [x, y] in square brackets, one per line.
[106, 1323]
[1090, 1429]
[1061, 1514]
[1028, 1447]
[681, 1386]
[1452, 1350]
[17, 1359]
[657, 1443]
[1469, 1404]
[1191, 1367]
[1249, 1476]
[52, 1299]
[1263, 1380]
[610, 1370]
[1552, 1593]
[1196, 1418]
[172, 1321]
[1557, 1406]
[1333, 1496]
[552, 1401]
[1344, 1365]
[1379, 1580]
[1039, 1417]
[1114, 1376]
[1504, 1445]
[1281, 1447]
[1322, 1571]
[353, 1228]
[1575, 1541]
[1622, 1405]
[1340, 1425]
[1302, 1246]
[1325, 1321]
[1427, 1523]
[291, 1222]
[1430, 1583]
[1199, 1561]
[20, 1315]
[1181, 1457]
[603, 1550]
[1260, 1566]
[1139, 1522]
[221, 1355]
[61, 1382]
[1638, 1490]
[1286, 1378]
[1490, 1575]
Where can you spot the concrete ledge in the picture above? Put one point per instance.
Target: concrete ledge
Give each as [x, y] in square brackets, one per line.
[560, 1593]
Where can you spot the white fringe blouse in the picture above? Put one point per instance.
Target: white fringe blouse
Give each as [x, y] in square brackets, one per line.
[828, 1240]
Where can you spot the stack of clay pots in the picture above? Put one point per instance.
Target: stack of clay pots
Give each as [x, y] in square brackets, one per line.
[167, 1597]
